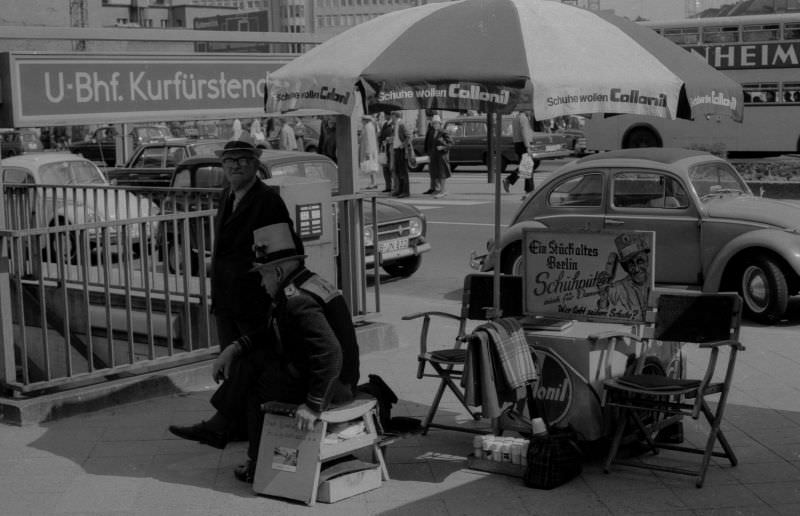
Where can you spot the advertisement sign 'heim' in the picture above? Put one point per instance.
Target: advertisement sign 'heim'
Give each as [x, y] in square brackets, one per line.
[601, 276]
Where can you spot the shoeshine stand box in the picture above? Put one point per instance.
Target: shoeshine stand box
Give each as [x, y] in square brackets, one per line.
[302, 465]
[287, 459]
[347, 479]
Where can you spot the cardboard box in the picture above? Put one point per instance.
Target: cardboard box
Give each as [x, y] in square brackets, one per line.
[347, 479]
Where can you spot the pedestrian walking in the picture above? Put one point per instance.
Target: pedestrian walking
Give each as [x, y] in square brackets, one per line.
[257, 134]
[401, 141]
[286, 137]
[237, 130]
[440, 157]
[428, 149]
[522, 135]
[368, 150]
[299, 133]
[385, 142]
[238, 303]
[327, 138]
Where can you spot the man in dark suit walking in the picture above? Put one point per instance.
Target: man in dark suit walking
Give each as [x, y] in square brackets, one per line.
[238, 301]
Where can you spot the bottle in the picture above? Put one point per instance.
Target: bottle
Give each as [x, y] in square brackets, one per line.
[477, 446]
[497, 451]
[516, 452]
[506, 451]
[486, 447]
[538, 427]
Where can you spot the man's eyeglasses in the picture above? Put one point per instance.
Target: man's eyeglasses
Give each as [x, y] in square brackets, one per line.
[229, 162]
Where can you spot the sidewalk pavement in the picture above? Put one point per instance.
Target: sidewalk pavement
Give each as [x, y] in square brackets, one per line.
[123, 461]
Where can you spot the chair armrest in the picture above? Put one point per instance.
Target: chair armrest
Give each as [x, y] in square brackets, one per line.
[732, 343]
[426, 324]
[417, 315]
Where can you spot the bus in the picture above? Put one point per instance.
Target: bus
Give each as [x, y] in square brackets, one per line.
[762, 53]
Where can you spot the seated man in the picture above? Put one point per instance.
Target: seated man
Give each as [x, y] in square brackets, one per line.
[307, 354]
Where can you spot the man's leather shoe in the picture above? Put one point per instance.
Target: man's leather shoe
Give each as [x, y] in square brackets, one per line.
[429, 191]
[201, 433]
[402, 196]
[245, 472]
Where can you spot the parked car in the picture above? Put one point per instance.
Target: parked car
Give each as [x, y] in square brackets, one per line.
[471, 144]
[574, 135]
[152, 164]
[101, 146]
[68, 205]
[711, 232]
[19, 141]
[401, 227]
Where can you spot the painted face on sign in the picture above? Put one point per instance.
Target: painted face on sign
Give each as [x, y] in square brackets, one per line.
[636, 267]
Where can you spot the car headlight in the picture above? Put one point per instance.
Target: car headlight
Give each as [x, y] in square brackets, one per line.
[368, 236]
[414, 227]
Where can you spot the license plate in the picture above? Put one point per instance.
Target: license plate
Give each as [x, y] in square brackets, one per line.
[550, 148]
[393, 245]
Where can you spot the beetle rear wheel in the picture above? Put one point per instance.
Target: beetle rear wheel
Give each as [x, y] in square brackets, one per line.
[176, 259]
[764, 290]
[641, 137]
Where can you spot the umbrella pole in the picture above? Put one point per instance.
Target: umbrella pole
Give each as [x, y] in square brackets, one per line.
[494, 162]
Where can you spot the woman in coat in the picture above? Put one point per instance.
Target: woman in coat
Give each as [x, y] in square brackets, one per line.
[440, 156]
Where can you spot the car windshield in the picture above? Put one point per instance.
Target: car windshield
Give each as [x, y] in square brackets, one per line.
[71, 172]
[714, 179]
[86, 173]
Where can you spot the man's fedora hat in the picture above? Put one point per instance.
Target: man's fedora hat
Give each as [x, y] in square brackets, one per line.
[273, 244]
[238, 146]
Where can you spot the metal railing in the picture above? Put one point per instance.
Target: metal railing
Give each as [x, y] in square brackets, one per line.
[93, 295]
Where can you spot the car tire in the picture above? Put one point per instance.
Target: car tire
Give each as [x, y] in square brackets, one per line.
[404, 267]
[511, 259]
[641, 137]
[63, 247]
[174, 259]
[764, 290]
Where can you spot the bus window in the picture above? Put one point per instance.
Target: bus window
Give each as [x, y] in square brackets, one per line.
[683, 35]
[791, 92]
[761, 33]
[766, 93]
[721, 34]
[791, 31]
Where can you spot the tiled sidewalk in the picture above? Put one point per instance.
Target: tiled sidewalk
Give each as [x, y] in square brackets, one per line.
[123, 461]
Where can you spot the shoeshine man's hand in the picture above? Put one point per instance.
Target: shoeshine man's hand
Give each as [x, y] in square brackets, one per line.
[222, 364]
[305, 417]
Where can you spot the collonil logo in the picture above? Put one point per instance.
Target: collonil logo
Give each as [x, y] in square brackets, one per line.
[555, 387]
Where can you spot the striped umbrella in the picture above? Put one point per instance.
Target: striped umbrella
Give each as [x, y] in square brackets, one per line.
[495, 56]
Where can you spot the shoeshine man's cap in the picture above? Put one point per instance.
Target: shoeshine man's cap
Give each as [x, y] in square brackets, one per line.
[238, 146]
[274, 244]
